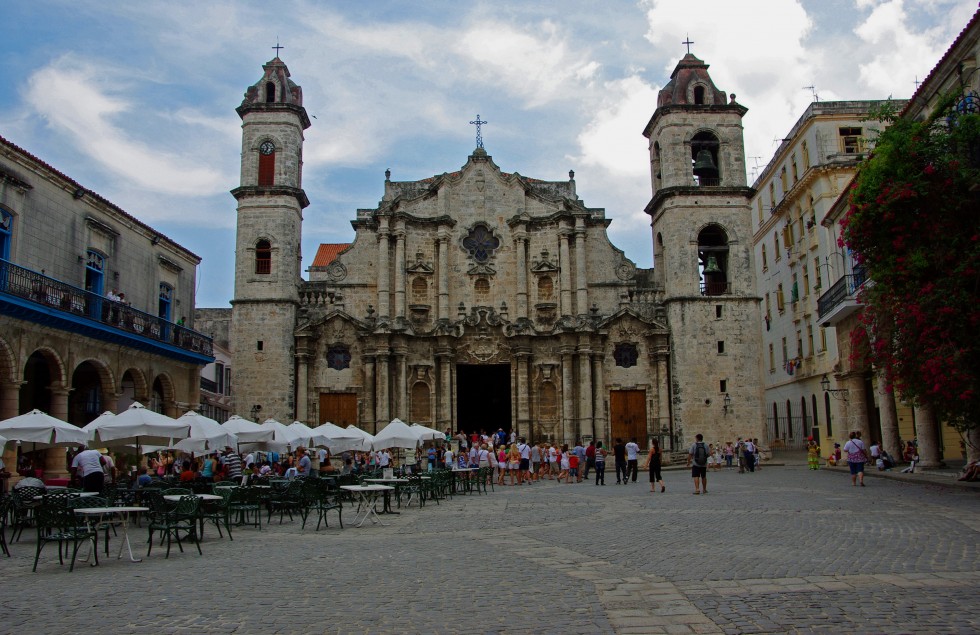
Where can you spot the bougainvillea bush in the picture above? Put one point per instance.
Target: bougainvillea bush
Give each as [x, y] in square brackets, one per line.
[913, 223]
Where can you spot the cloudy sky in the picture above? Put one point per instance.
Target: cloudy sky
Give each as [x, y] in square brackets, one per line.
[136, 100]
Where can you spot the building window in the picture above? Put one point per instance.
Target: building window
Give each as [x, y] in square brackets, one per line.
[227, 381]
[626, 354]
[809, 339]
[699, 95]
[785, 352]
[166, 297]
[338, 357]
[721, 347]
[794, 291]
[219, 378]
[94, 272]
[704, 159]
[796, 173]
[826, 409]
[805, 151]
[717, 311]
[270, 92]
[420, 290]
[759, 202]
[259, 345]
[765, 259]
[263, 257]
[772, 195]
[772, 358]
[768, 307]
[816, 274]
[782, 180]
[546, 289]
[799, 344]
[823, 339]
[775, 240]
[780, 300]
[6, 232]
[267, 164]
[851, 141]
[480, 243]
[723, 385]
[806, 280]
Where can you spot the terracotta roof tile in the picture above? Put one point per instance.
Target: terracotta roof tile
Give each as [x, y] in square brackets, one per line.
[327, 253]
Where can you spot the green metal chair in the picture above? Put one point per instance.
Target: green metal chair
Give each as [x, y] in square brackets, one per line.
[171, 523]
[57, 523]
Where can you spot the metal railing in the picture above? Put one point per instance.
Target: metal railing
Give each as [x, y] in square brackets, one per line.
[846, 287]
[65, 298]
[716, 288]
[209, 385]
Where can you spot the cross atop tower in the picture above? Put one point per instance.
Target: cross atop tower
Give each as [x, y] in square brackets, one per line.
[479, 134]
[687, 42]
[277, 47]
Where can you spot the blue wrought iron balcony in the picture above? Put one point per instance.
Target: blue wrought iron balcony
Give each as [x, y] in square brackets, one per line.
[32, 296]
[840, 300]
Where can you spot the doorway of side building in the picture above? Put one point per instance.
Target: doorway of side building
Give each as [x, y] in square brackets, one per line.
[628, 415]
[483, 397]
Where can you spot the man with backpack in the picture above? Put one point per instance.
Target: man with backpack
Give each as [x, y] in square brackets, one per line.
[698, 454]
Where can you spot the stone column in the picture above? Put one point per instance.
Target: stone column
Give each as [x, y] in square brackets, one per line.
[600, 424]
[523, 423]
[442, 246]
[400, 269]
[584, 387]
[581, 283]
[302, 389]
[856, 406]
[400, 396]
[889, 419]
[193, 389]
[567, 395]
[9, 406]
[370, 398]
[383, 414]
[55, 458]
[927, 435]
[520, 241]
[384, 284]
[444, 392]
[565, 277]
[663, 398]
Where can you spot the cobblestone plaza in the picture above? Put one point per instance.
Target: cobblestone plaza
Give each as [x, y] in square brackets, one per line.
[784, 550]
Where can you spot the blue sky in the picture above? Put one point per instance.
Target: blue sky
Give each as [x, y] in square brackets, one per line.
[136, 100]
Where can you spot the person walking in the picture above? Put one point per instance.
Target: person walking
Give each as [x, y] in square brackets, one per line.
[619, 455]
[579, 451]
[632, 458]
[857, 456]
[748, 455]
[654, 462]
[589, 459]
[698, 455]
[600, 464]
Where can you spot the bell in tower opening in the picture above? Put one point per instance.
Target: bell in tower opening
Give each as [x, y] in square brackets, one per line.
[704, 152]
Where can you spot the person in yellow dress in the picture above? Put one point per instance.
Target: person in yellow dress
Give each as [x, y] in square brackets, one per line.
[813, 454]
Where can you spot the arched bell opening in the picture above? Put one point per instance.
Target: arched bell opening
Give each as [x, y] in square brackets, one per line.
[704, 159]
[713, 261]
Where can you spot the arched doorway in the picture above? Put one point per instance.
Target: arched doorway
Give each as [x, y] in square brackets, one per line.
[86, 400]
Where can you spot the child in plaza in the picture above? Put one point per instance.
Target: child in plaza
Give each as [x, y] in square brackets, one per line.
[813, 454]
[573, 463]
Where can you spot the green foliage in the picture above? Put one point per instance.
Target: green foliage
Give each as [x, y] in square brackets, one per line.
[914, 225]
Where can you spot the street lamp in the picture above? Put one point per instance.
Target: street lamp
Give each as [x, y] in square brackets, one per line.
[255, 412]
[728, 403]
[836, 393]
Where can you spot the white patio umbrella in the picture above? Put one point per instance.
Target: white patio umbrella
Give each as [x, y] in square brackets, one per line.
[396, 434]
[205, 434]
[426, 433]
[308, 436]
[246, 431]
[341, 439]
[366, 438]
[282, 438]
[98, 421]
[139, 426]
[42, 430]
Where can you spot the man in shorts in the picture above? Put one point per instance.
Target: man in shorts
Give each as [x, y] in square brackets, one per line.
[524, 469]
[698, 455]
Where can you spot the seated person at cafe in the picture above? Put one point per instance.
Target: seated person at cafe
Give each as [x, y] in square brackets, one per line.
[144, 479]
[266, 469]
[187, 475]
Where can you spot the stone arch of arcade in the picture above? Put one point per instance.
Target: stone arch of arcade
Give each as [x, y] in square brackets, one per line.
[163, 397]
[132, 387]
[93, 391]
[44, 384]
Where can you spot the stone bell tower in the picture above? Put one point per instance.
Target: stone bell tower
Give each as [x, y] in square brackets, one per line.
[702, 238]
[267, 247]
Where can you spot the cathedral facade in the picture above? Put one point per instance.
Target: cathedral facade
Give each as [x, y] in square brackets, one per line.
[484, 299]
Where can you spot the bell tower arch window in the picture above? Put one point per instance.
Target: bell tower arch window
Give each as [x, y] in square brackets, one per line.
[704, 159]
[267, 164]
[713, 260]
[263, 257]
[699, 95]
[270, 92]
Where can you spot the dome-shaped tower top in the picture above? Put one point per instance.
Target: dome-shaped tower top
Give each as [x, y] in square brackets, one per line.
[690, 84]
[274, 91]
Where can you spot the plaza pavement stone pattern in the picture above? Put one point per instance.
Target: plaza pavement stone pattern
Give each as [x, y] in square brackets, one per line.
[784, 550]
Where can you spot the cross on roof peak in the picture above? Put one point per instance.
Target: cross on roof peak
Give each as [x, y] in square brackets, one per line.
[277, 47]
[687, 42]
[479, 134]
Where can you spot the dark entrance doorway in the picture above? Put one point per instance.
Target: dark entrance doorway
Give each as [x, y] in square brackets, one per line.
[483, 397]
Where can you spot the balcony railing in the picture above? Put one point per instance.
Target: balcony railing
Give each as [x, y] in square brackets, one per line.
[845, 288]
[80, 304]
[209, 385]
[707, 181]
[716, 288]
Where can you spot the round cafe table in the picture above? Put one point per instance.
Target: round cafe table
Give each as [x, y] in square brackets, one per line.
[367, 499]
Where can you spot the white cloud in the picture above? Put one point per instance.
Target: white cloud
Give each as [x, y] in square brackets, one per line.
[74, 96]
